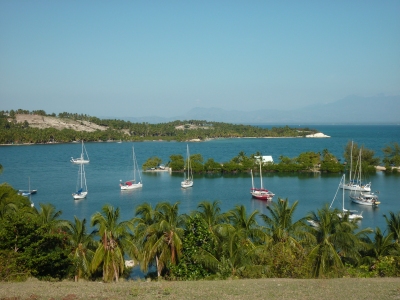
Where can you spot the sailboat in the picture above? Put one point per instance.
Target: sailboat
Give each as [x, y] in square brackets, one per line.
[188, 174]
[132, 184]
[82, 159]
[352, 214]
[81, 185]
[28, 192]
[260, 193]
[355, 184]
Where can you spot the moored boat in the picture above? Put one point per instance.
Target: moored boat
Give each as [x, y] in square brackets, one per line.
[132, 184]
[82, 159]
[260, 193]
[370, 199]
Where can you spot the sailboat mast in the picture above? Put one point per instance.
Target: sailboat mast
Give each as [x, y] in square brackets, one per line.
[261, 176]
[134, 167]
[81, 169]
[344, 180]
[351, 161]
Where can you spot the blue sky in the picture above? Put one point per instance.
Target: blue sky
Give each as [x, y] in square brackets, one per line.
[163, 58]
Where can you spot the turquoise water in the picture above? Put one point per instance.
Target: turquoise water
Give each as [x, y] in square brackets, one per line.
[54, 176]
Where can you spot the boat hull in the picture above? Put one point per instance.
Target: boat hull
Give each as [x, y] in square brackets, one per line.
[79, 161]
[79, 196]
[261, 194]
[365, 199]
[356, 187]
[186, 184]
[131, 187]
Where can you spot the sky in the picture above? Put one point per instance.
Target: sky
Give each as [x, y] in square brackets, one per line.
[162, 58]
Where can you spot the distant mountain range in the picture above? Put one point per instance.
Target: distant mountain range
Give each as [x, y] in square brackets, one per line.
[350, 110]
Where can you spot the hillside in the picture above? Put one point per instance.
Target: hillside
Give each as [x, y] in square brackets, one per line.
[42, 122]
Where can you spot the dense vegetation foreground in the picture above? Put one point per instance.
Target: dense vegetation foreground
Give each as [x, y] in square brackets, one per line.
[345, 288]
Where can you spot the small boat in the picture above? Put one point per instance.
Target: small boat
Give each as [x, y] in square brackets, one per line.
[370, 199]
[188, 174]
[82, 159]
[131, 184]
[29, 192]
[260, 193]
[26, 193]
[352, 214]
[81, 185]
[355, 184]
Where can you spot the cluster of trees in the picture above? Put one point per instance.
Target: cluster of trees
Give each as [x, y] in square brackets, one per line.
[306, 162]
[204, 244]
[13, 132]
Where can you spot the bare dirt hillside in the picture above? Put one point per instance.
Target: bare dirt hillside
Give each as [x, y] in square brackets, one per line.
[41, 122]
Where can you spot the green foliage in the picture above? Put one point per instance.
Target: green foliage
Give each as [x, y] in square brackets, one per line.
[177, 162]
[392, 154]
[352, 152]
[10, 268]
[212, 166]
[152, 162]
[196, 236]
[44, 254]
[193, 129]
[197, 163]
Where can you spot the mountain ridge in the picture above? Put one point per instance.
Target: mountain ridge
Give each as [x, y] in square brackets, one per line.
[353, 109]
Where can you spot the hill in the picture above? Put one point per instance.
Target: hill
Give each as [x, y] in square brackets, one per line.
[350, 110]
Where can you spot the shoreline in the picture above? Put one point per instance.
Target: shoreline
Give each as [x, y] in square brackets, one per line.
[316, 135]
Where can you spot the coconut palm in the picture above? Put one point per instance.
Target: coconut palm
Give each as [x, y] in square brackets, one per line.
[49, 216]
[238, 245]
[245, 225]
[144, 234]
[160, 233]
[115, 241]
[334, 239]
[393, 225]
[382, 245]
[82, 245]
[280, 226]
[213, 219]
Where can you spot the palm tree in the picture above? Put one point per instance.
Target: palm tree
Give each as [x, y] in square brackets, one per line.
[393, 224]
[246, 226]
[115, 240]
[280, 226]
[334, 239]
[210, 214]
[382, 245]
[238, 246]
[144, 236]
[50, 217]
[169, 232]
[82, 245]
[158, 234]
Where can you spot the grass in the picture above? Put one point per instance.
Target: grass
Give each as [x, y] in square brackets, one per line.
[345, 288]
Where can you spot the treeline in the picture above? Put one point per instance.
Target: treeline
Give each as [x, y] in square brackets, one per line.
[204, 244]
[306, 162]
[13, 132]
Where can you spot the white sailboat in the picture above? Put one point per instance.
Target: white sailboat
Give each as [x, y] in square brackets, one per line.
[27, 192]
[132, 184]
[81, 186]
[260, 193]
[82, 159]
[352, 214]
[355, 183]
[188, 174]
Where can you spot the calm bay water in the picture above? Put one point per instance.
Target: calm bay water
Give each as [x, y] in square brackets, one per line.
[54, 176]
